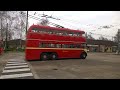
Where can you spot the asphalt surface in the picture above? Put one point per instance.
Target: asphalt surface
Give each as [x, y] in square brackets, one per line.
[95, 66]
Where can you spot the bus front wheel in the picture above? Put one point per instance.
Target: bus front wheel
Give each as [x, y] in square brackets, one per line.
[44, 56]
[83, 55]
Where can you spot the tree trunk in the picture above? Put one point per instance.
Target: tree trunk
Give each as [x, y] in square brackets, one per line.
[6, 40]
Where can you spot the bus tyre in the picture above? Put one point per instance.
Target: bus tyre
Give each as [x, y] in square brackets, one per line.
[83, 55]
[54, 56]
[44, 56]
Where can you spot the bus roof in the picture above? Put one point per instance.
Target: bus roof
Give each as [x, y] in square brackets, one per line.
[55, 28]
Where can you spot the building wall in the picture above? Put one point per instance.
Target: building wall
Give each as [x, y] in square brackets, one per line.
[101, 45]
[101, 48]
[114, 48]
[14, 44]
[108, 49]
[93, 48]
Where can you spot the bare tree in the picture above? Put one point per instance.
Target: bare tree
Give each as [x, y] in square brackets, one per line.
[4, 26]
[116, 38]
[103, 38]
[89, 36]
[16, 24]
[2, 18]
[19, 26]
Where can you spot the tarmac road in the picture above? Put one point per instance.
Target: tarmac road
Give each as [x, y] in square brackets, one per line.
[95, 66]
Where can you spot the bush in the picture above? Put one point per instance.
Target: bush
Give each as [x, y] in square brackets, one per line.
[21, 50]
[14, 49]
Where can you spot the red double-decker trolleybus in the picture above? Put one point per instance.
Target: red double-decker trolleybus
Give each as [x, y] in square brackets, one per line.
[51, 43]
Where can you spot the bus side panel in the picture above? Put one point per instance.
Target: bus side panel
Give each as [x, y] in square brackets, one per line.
[75, 53]
[32, 54]
[69, 53]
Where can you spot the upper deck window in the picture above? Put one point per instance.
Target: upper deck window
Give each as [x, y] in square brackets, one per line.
[35, 29]
[57, 32]
[83, 35]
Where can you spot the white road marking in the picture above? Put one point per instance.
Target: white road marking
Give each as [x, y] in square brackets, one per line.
[12, 67]
[16, 60]
[9, 67]
[16, 70]
[15, 75]
[16, 64]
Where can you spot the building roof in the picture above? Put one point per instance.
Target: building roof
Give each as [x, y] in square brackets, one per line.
[101, 42]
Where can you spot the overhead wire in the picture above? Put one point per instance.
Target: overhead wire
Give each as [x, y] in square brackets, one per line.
[73, 21]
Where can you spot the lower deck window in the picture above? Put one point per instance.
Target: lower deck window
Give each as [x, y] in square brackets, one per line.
[52, 45]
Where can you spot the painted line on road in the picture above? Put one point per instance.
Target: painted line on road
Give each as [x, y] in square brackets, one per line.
[16, 75]
[16, 64]
[9, 67]
[16, 70]
[16, 60]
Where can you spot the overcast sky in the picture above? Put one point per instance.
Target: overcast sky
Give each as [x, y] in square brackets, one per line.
[88, 21]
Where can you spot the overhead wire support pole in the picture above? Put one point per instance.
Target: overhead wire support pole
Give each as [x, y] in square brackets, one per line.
[26, 21]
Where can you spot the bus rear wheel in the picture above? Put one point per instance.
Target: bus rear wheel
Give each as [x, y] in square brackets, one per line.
[83, 55]
[44, 56]
[54, 56]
